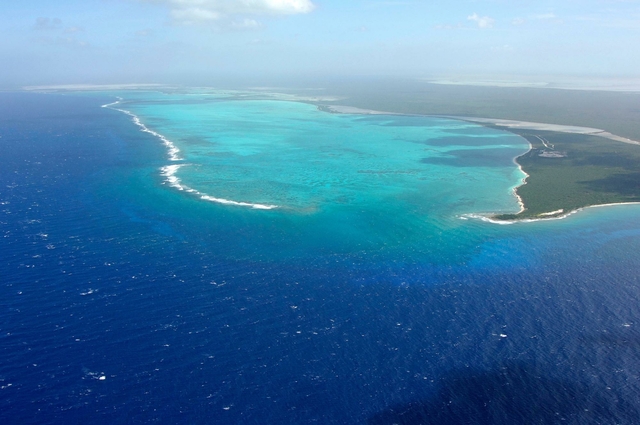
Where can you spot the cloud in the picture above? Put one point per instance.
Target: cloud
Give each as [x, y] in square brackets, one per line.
[547, 17]
[219, 11]
[72, 30]
[503, 48]
[482, 21]
[627, 22]
[246, 24]
[59, 40]
[43, 23]
[51, 32]
[517, 21]
[194, 15]
[544, 16]
[144, 33]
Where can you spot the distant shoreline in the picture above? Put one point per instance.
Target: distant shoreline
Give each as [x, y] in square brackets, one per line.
[507, 124]
[631, 85]
[511, 125]
[341, 109]
[526, 125]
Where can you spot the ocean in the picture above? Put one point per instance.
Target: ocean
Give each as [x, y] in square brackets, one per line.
[217, 257]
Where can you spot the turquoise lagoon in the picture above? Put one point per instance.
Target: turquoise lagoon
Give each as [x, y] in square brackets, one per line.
[316, 183]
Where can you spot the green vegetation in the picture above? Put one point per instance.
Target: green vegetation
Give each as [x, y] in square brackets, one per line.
[594, 171]
[615, 112]
[587, 170]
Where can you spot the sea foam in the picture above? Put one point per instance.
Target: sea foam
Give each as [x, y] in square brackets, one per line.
[169, 172]
[173, 149]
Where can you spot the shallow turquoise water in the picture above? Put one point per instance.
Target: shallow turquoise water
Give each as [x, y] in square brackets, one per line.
[338, 183]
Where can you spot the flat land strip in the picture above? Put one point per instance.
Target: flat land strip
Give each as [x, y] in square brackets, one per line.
[587, 170]
[567, 171]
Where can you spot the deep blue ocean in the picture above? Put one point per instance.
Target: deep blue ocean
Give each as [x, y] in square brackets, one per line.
[126, 300]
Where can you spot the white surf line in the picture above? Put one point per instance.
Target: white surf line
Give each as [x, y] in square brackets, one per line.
[548, 127]
[240, 204]
[514, 191]
[523, 181]
[109, 105]
[173, 149]
[169, 171]
[489, 219]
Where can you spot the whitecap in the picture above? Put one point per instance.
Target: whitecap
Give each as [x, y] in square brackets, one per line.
[169, 171]
[172, 148]
[241, 204]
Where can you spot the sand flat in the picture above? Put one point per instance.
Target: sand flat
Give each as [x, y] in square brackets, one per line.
[527, 125]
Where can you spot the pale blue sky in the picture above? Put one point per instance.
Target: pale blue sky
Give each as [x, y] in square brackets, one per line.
[180, 41]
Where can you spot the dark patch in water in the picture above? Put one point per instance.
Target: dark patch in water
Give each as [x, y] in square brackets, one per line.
[196, 141]
[511, 394]
[613, 339]
[472, 158]
[459, 141]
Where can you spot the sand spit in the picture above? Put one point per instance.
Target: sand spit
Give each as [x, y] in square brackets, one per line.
[522, 125]
[526, 125]
[559, 215]
[341, 109]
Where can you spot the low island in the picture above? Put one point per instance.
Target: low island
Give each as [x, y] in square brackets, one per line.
[585, 148]
[569, 168]
[584, 145]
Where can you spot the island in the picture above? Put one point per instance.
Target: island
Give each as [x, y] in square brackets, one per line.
[570, 167]
[584, 144]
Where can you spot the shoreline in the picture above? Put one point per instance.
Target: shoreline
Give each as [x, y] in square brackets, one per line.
[489, 219]
[506, 125]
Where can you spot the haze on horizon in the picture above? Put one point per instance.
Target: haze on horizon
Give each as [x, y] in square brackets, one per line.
[197, 41]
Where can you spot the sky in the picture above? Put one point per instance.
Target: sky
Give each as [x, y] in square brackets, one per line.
[194, 41]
